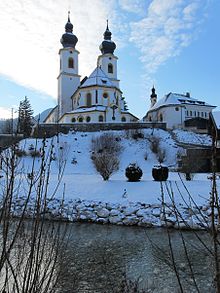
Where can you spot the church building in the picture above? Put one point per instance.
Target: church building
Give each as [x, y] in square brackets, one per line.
[179, 111]
[94, 99]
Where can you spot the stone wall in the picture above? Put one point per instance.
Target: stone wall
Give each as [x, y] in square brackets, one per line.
[49, 130]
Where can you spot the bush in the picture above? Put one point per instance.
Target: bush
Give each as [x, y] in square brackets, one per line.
[105, 154]
[154, 144]
[133, 172]
[35, 153]
[20, 153]
[160, 173]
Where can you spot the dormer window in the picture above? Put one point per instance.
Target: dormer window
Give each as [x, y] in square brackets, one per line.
[110, 68]
[70, 63]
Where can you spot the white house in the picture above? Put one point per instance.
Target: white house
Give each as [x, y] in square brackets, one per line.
[97, 98]
[178, 111]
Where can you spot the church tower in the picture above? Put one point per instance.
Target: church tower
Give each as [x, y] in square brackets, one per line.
[108, 61]
[153, 97]
[68, 78]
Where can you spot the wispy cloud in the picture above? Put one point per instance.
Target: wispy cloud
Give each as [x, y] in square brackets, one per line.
[30, 32]
[168, 27]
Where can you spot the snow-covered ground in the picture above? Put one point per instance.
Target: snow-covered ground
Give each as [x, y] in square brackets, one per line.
[82, 182]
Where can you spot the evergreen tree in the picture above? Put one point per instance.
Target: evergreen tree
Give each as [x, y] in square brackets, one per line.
[25, 117]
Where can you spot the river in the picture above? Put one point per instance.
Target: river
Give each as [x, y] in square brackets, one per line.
[97, 257]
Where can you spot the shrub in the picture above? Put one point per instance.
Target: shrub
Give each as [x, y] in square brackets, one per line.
[20, 153]
[154, 144]
[105, 154]
[35, 153]
[161, 155]
[160, 173]
[133, 172]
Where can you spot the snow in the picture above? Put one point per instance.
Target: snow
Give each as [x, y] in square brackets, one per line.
[189, 137]
[82, 110]
[97, 77]
[82, 181]
[177, 99]
[216, 116]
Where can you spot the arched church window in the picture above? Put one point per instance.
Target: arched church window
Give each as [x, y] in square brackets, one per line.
[88, 119]
[161, 118]
[123, 119]
[88, 100]
[80, 119]
[110, 68]
[73, 119]
[101, 118]
[70, 63]
[150, 119]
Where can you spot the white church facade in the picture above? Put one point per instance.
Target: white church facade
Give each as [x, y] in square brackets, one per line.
[178, 111]
[94, 99]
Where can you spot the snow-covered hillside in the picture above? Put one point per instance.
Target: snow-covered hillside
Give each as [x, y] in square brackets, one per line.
[117, 200]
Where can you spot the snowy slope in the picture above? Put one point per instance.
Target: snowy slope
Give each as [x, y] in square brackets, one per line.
[82, 181]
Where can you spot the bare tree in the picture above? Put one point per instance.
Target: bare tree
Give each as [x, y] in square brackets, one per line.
[105, 154]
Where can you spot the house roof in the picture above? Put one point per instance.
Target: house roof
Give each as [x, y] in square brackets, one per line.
[97, 78]
[216, 118]
[178, 99]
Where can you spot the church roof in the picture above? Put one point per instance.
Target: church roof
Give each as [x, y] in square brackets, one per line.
[97, 78]
[86, 109]
[178, 99]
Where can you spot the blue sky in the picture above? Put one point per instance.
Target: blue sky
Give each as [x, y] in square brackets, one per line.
[173, 44]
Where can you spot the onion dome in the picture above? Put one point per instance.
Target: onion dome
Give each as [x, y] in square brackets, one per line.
[107, 46]
[69, 39]
[153, 95]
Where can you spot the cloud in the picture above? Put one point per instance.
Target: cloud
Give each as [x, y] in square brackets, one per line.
[30, 33]
[134, 6]
[168, 27]
[5, 113]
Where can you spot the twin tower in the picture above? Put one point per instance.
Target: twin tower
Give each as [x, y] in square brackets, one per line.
[69, 78]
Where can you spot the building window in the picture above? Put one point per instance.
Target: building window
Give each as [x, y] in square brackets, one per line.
[202, 114]
[110, 68]
[70, 63]
[101, 118]
[150, 119]
[105, 95]
[195, 113]
[88, 119]
[80, 119]
[190, 113]
[177, 109]
[73, 119]
[187, 113]
[161, 118]
[205, 115]
[88, 100]
[198, 113]
[123, 119]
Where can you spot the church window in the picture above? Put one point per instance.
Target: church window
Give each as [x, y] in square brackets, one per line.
[123, 119]
[150, 119]
[80, 119]
[205, 114]
[101, 118]
[195, 113]
[88, 119]
[202, 114]
[177, 109]
[161, 118]
[191, 113]
[198, 113]
[105, 95]
[110, 68]
[70, 63]
[73, 119]
[88, 100]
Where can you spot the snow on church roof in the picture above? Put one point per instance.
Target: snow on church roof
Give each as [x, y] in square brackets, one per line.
[97, 77]
[178, 99]
[86, 109]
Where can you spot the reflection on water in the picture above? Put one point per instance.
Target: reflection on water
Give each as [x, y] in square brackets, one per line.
[97, 256]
